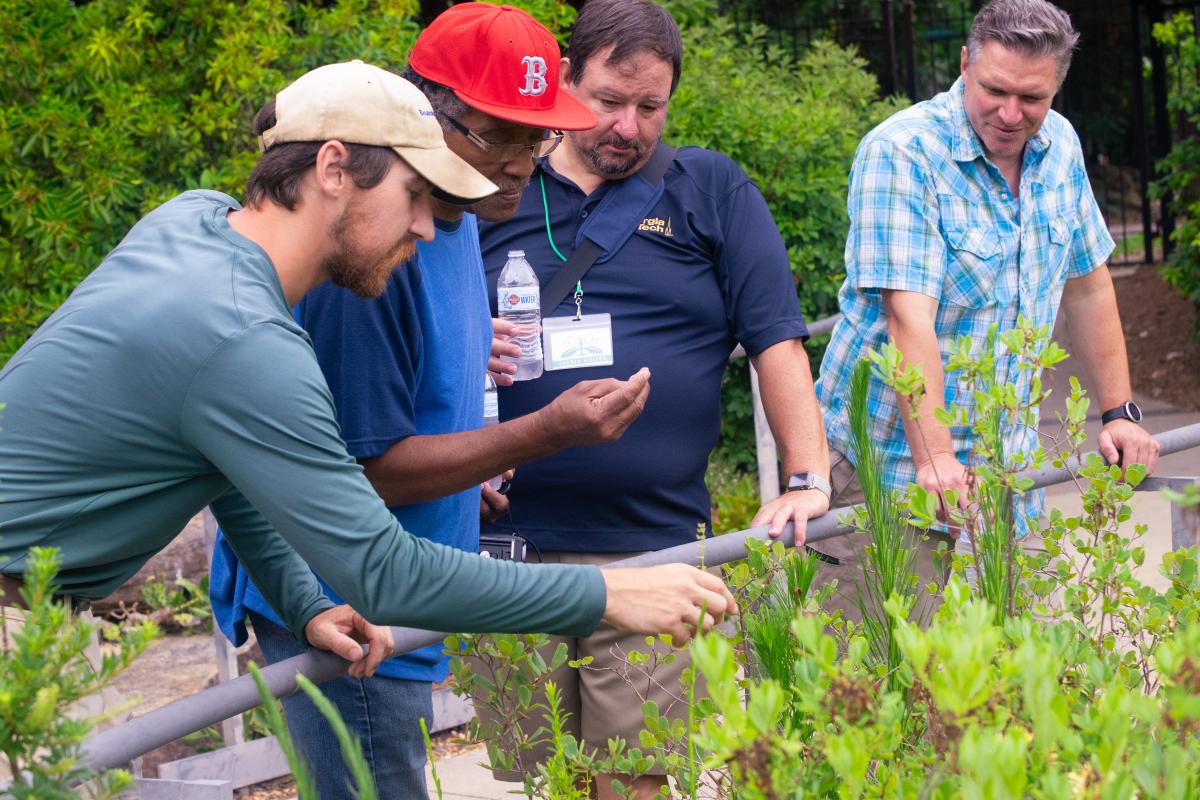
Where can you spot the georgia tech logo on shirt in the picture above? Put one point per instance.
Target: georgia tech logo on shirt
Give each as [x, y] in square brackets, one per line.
[657, 225]
[535, 76]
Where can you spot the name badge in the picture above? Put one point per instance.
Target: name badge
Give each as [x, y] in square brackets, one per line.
[570, 343]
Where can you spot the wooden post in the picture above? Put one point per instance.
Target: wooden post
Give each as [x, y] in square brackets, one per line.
[764, 445]
[232, 729]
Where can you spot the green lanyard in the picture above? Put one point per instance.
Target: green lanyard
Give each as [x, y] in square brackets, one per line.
[550, 238]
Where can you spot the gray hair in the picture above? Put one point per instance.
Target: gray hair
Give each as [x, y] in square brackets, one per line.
[1034, 28]
[441, 97]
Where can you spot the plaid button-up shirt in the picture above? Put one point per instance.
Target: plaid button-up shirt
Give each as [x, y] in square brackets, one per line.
[930, 214]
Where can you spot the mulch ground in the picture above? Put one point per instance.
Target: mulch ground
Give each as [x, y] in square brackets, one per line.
[1164, 360]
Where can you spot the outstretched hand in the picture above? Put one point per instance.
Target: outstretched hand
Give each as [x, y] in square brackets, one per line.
[592, 412]
[340, 630]
[667, 599]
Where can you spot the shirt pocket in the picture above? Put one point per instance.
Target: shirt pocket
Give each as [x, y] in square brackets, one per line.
[975, 257]
[1058, 246]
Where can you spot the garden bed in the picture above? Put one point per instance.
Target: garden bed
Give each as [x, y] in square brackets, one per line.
[1164, 361]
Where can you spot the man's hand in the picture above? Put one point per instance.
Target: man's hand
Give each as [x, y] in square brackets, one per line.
[666, 599]
[944, 471]
[798, 507]
[1125, 442]
[500, 370]
[591, 412]
[340, 629]
[492, 504]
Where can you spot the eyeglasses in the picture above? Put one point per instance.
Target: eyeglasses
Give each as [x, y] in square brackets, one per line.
[508, 152]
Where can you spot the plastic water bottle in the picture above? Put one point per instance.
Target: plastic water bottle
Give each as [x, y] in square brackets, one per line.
[491, 415]
[519, 300]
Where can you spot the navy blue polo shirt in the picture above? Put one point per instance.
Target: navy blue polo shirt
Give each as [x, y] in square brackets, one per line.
[705, 270]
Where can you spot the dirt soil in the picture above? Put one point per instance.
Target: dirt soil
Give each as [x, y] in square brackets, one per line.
[1164, 361]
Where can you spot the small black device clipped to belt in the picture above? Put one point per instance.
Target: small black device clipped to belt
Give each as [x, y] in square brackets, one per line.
[504, 546]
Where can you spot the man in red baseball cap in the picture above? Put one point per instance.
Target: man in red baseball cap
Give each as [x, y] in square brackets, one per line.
[407, 374]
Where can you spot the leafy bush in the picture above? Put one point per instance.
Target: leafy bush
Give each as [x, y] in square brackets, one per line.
[1044, 674]
[43, 674]
[793, 126]
[108, 108]
[1180, 170]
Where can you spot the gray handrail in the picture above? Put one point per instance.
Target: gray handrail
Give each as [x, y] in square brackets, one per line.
[119, 745]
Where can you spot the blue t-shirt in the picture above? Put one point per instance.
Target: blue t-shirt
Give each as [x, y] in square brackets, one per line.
[705, 270]
[409, 363]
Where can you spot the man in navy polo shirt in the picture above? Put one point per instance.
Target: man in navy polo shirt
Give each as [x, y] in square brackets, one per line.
[406, 372]
[705, 270]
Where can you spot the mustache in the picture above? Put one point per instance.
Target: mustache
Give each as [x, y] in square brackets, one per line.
[620, 141]
[510, 186]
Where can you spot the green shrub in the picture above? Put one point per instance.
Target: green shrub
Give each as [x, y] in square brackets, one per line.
[1180, 170]
[43, 674]
[108, 108]
[1046, 673]
[793, 126]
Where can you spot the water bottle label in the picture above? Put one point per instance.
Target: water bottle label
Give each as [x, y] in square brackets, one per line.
[518, 298]
[491, 405]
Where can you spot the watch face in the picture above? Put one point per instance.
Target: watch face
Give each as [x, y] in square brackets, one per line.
[1133, 411]
[800, 480]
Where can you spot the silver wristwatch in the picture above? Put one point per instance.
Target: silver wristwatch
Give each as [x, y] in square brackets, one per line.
[802, 481]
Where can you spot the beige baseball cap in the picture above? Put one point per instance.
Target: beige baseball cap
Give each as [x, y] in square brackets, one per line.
[359, 103]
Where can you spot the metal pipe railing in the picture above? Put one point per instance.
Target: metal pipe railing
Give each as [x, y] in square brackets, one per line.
[119, 745]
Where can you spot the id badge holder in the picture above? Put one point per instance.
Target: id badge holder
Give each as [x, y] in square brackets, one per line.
[575, 342]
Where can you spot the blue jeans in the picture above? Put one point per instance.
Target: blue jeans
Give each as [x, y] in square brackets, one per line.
[382, 712]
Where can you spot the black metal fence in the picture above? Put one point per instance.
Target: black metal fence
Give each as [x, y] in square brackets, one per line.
[1115, 93]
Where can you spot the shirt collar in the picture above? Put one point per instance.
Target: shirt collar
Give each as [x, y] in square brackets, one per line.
[964, 144]
[563, 180]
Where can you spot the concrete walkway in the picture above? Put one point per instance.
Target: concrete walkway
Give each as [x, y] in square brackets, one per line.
[1149, 507]
[463, 778]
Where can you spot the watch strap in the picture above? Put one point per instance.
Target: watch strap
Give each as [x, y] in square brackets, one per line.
[811, 481]
[1127, 410]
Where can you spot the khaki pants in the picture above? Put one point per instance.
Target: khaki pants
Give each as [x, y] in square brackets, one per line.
[603, 699]
[848, 550]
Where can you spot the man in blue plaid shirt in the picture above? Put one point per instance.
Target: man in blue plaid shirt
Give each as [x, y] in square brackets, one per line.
[967, 211]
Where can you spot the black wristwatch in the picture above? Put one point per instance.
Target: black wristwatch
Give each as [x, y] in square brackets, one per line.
[802, 481]
[1130, 411]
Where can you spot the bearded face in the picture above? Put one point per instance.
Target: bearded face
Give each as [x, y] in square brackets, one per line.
[361, 263]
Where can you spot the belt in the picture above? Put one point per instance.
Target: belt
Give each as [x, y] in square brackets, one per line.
[10, 590]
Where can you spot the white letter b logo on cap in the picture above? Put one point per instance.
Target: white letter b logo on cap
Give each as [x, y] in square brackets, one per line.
[535, 75]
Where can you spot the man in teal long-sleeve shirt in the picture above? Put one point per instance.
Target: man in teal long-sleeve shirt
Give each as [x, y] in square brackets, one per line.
[175, 377]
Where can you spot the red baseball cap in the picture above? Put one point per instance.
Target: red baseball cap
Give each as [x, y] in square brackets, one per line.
[501, 61]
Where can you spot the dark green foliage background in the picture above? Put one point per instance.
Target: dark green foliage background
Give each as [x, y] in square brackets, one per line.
[111, 107]
[793, 126]
[1179, 172]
